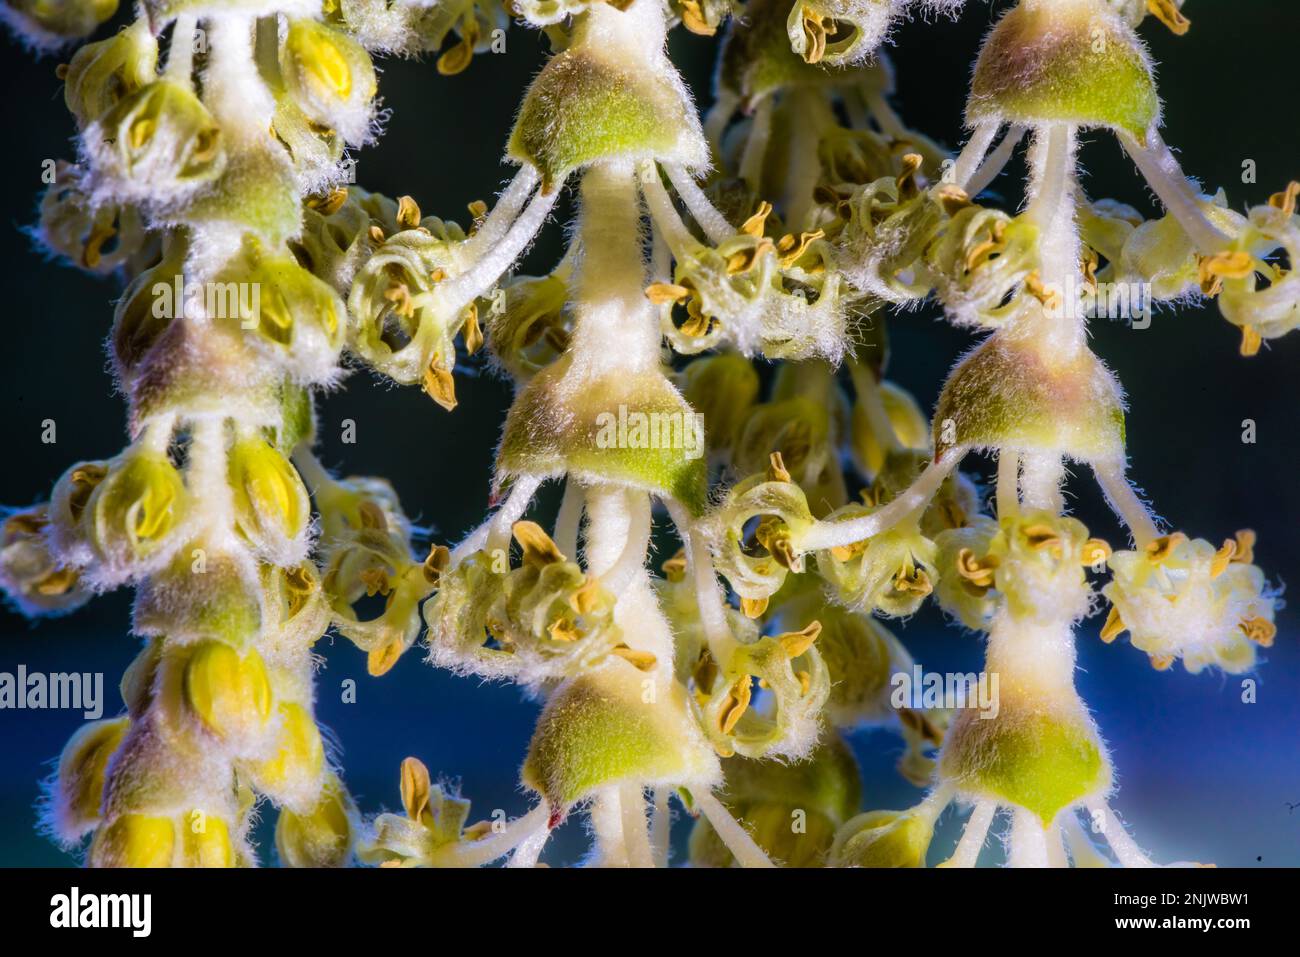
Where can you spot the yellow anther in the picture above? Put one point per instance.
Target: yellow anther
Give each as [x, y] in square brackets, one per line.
[1096, 551]
[952, 198]
[697, 323]
[1162, 548]
[846, 553]
[753, 607]
[440, 385]
[983, 251]
[737, 703]
[1251, 341]
[773, 535]
[792, 249]
[1042, 536]
[400, 296]
[977, 571]
[1222, 558]
[471, 332]
[1259, 630]
[1162, 662]
[1167, 12]
[662, 292]
[564, 629]
[1245, 550]
[415, 788]
[906, 180]
[815, 28]
[1034, 286]
[776, 470]
[458, 57]
[588, 597]
[914, 580]
[477, 211]
[539, 549]
[640, 660]
[805, 682]
[436, 563]
[795, 643]
[754, 225]
[693, 19]
[1089, 264]
[330, 203]
[376, 235]
[376, 581]
[1286, 200]
[1114, 626]
[100, 233]
[408, 212]
[381, 658]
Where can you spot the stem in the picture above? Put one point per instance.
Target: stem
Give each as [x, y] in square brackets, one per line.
[708, 592]
[973, 836]
[1051, 205]
[636, 835]
[997, 161]
[1126, 851]
[607, 823]
[661, 827]
[760, 131]
[809, 115]
[455, 295]
[1126, 504]
[569, 519]
[497, 845]
[615, 327]
[1040, 481]
[495, 532]
[1082, 851]
[180, 51]
[669, 225]
[743, 848]
[702, 210]
[634, 507]
[1166, 178]
[1008, 494]
[973, 153]
[1028, 841]
[828, 534]
[508, 206]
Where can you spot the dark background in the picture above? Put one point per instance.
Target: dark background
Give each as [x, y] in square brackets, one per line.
[1202, 775]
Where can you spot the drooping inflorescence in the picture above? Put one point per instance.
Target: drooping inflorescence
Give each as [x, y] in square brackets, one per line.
[792, 223]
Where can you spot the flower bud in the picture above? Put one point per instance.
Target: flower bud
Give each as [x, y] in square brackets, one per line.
[30, 574]
[322, 838]
[590, 103]
[330, 76]
[883, 839]
[103, 73]
[229, 692]
[135, 840]
[52, 23]
[271, 505]
[1008, 394]
[134, 517]
[78, 792]
[1064, 61]
[792, 810]
[603, 728]
[1039, 758]
[293, 775]
[290, 314]
[156, 146]
[631, 428]
[911, 427]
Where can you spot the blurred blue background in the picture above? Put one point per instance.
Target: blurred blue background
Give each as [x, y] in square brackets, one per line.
[1203, 775]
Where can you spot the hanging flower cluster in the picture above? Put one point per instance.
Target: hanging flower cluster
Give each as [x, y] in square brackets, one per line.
[812, 507]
